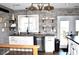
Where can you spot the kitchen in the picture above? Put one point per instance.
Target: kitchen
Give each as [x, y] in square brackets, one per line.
[23, 25]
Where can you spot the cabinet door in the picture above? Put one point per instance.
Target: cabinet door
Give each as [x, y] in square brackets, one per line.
[49, 44]
[21, 40]
[25, 40]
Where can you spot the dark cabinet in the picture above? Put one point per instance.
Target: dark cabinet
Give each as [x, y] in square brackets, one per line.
[40, 41]
[57, 44]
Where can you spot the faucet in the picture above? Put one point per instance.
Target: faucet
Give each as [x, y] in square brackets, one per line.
[27, 31]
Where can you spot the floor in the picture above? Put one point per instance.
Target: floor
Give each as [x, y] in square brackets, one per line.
[60, 52]
[19, 53]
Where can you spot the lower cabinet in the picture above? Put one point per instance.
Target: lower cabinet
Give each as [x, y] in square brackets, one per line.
[21, 40]
[49, 43]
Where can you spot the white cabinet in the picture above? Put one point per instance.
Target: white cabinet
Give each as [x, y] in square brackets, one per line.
[23, 40]
[49, 43]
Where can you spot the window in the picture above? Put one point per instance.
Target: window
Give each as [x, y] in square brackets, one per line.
[30, 23]
[77, 27]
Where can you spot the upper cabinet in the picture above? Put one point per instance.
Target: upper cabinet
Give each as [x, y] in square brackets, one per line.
[29, 23]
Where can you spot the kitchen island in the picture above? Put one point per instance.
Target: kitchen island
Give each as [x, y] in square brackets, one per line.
[44, 40]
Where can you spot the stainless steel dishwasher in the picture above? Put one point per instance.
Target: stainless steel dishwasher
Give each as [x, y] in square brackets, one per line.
[40, 41]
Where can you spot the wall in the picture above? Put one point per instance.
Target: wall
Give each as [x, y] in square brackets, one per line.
[41, 15]
[4, 36]
[54, 14]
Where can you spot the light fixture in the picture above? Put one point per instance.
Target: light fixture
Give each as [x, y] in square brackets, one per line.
[48, 8]
[32, 8]
[40, 7]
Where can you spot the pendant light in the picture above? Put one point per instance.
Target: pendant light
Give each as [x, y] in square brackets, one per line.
[48, 8]
[40, 7]
[32, 8]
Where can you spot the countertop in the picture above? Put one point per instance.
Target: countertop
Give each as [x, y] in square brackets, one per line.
[33, 34]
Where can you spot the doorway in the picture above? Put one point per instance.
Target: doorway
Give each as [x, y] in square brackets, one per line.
[65, 25]
[64, 29]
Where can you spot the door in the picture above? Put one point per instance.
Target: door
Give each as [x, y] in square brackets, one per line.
[64, 29]
[65, 25]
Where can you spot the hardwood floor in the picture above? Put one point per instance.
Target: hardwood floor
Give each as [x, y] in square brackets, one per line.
[19, 53]
[60, 52]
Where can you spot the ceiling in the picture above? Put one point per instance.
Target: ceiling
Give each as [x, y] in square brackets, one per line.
[22, 6]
